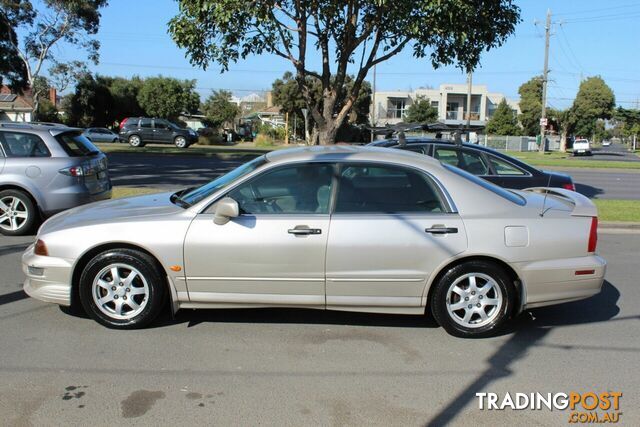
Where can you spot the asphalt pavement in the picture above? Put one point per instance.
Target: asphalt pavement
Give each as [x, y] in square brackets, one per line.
[305, 367]
[614, 152]
[175, 172]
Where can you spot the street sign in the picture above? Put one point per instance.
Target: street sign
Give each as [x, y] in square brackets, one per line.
[543, 122]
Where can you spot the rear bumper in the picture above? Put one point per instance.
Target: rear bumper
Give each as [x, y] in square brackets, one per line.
[67, 200]
[54, 284]
[555, 281]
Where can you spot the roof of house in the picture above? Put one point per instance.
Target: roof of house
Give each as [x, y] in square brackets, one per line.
[12, 102]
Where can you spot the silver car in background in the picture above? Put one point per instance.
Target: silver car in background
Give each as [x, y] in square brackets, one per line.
[44, 170]
[338, 228]
[100, 135]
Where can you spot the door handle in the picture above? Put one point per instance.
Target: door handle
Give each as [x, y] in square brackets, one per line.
[303, 230]
[441, 230]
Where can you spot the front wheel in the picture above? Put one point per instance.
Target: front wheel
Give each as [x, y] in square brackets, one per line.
[181, 142]
[122, 289]
[473, 299]
[17, 213]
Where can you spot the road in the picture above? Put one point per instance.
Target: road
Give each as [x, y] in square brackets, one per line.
[614, 152]
[295, 367]
[174, 172]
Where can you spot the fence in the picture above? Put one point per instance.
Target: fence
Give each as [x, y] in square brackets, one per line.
[517, 143]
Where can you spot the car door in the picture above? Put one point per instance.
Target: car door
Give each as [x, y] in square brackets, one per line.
[162, 132]
[392, 227]
[273, 253]
[2, 160]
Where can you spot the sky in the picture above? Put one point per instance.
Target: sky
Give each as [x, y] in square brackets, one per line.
[589, 37]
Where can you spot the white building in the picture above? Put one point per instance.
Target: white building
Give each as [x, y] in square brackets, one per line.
[449, 99]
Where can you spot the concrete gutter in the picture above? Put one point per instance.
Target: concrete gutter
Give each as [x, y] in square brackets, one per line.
[616, 227]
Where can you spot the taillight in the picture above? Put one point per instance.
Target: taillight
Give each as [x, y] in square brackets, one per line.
[569, 186]
[593, 235]
[123, 122]
[40, 248]
[73, 171]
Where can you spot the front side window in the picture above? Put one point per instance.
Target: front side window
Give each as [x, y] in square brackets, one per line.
[161, 124]
[503, 168]
[466, 160]
[17, 144]
[295, 189]
[372, 188]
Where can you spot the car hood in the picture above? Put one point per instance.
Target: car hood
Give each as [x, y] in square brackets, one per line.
[113, 211]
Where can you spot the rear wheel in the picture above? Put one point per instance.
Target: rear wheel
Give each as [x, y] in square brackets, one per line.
[135, 141]
[473, 299]
[181, 142]
[122, 289]
[17, 213]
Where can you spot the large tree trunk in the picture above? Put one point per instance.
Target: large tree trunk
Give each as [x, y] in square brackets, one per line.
[563, 141]
[327, 133]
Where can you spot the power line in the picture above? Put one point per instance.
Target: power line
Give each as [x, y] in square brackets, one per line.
[587, 11]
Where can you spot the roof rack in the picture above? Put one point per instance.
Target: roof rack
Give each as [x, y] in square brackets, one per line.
[16, 125]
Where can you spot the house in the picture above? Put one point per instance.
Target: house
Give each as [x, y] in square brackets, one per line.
[14, 107]
[272, 116]
[449, 99]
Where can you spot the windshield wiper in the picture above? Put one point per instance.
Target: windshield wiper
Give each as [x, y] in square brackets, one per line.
[177, 200]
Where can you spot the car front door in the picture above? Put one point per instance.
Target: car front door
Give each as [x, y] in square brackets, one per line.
[274, 251]
[392, 227]
[161, 131]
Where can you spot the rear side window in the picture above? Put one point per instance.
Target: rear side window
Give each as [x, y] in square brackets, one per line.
[145, 123]
[76, 145]
[16, 144]
[510, 196]
[372, 188]
[503, 168]
[463, 159]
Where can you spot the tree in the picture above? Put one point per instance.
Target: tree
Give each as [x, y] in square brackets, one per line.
[166, 97]
[421, 111]
[354, 35]
[595, 100]
[219, 109]
[54, 21]
[531, 105]
[90, 104]
[12, 69]
[503, 121]
[124, 93]
[65, 74]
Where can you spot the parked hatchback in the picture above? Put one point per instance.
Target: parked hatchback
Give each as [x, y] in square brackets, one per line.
[139, 131]
[100, 135]
[45, 170]
[484, 162]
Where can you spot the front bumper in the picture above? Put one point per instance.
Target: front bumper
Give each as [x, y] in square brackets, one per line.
[54, 284]
[555, 281]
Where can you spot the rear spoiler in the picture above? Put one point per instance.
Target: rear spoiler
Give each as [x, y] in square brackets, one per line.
[582, 206]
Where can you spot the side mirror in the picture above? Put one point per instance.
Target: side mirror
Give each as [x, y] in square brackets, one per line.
[226, 209]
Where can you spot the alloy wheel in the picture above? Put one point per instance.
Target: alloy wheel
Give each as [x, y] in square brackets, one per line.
[13, 213]
[120, 291]
[474, 300]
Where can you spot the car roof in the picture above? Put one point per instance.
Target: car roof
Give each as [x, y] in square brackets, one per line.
[350, 152]
[36, 128]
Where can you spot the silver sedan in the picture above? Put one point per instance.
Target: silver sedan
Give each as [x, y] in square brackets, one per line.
[337, 228]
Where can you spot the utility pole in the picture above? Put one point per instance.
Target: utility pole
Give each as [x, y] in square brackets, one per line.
[469, 83]
[545, 78]
[373, 104]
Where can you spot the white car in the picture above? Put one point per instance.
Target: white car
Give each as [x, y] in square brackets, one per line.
[337, 228]
[582, 147]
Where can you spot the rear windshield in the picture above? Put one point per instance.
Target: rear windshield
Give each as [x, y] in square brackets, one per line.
[76, 145]
[506, 194]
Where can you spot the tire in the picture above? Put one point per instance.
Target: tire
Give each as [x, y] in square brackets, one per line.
[18, 213]
[451, 309]
[135, 141]
[114, 308]
[181, 142]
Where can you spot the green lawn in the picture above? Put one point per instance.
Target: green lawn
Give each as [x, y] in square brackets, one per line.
[618, 210]
[566, 160]
[608, 210]
[240, 149]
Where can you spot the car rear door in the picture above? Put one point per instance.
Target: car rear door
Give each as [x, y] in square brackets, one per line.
[145, 130]
[508, 175]
[392, 228]
[274, 251]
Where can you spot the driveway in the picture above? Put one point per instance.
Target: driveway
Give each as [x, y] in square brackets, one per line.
[305, 367]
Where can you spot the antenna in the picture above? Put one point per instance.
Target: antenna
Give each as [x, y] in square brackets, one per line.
[546, 193]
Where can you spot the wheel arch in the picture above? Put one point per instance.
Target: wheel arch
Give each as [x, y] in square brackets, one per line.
[88, 255]
[25, 190]
[513, 276]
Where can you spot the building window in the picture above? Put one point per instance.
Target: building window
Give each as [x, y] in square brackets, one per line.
[452, 110]
[396, 108]
[435, 104]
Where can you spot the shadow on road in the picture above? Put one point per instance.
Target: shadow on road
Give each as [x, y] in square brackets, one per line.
[529, 331]
[12, 249]
[13, 297]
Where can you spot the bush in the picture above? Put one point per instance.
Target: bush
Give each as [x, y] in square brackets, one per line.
[212, 139]
[262, 140]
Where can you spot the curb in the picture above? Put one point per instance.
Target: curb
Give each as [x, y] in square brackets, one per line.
[613, 227]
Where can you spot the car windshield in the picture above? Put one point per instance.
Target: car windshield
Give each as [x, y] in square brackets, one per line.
[194, 196]
[506, 194]
[75, 144]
